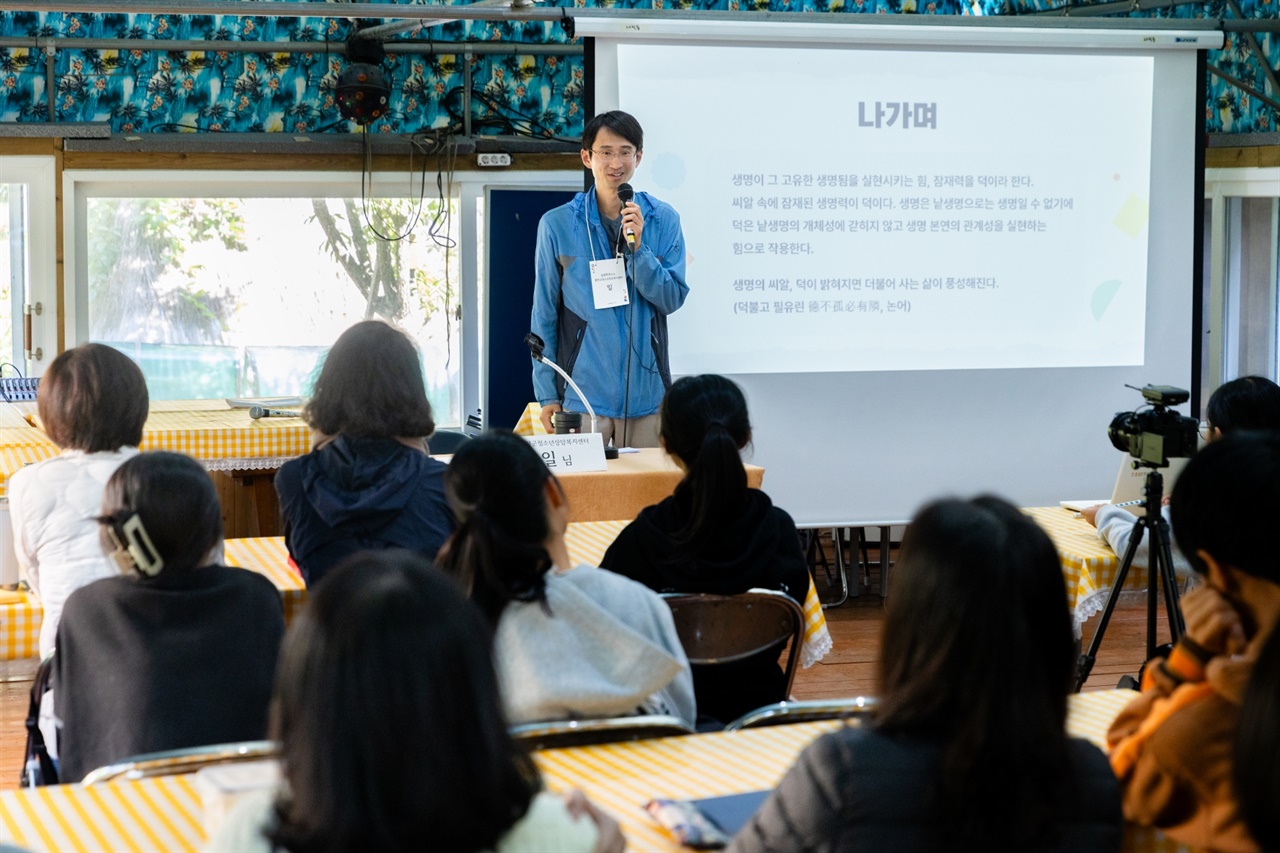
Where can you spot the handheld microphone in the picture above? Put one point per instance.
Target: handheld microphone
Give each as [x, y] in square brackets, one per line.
[625, 194]
[258, 412]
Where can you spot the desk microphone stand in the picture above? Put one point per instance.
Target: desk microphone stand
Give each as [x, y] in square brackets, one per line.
[1160, 571]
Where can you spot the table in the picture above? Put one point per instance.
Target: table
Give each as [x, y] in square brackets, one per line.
[632, 482]
[1089, 566]
[166, 813]
[587, 542]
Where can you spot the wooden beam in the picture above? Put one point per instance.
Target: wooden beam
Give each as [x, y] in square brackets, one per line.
[16, 145]
[1235, 158]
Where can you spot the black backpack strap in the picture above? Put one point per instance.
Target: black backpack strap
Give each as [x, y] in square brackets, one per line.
[37, 766]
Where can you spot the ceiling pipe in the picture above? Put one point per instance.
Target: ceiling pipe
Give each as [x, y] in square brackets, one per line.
[291, 9]
[482, 48]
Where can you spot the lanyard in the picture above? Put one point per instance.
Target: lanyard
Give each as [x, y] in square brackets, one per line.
[591, 240]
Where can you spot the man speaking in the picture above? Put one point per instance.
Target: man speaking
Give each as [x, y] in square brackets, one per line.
[610, 268]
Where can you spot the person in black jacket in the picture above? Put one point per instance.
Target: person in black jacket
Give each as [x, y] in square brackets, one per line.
[968, 749]
[177, 651]
[369, 483]
[714, 534]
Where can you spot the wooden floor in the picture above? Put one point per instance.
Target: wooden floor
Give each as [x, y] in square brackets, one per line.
[848, 670]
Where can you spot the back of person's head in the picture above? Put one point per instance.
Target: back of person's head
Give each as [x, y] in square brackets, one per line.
[93, 398]
[623, 124]
[1250, 402]
[1257, 748]
[388, 716]
[977, 655]
[704, 422]
[1226, 501]
[496, 487]
[371, 386]
[160, 505]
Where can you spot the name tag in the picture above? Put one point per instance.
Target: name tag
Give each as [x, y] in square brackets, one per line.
[609, 283]
[576, 452]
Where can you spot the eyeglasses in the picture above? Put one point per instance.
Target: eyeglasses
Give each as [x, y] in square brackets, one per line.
[626, 155]
[1205, 430]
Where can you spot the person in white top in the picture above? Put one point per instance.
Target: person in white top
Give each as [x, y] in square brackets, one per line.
[1246, 403]
[93, 403]
[391, 731]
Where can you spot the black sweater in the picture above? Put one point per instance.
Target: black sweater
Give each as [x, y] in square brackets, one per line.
[760, 549]
[148, 664]
[858, 790]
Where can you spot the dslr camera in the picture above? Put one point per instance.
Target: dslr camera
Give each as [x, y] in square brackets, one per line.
[1153, 435]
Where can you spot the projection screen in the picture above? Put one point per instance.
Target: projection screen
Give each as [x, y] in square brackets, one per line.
[933, 256]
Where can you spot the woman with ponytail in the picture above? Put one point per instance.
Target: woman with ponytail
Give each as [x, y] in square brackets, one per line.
[714, 534]
[570, 641]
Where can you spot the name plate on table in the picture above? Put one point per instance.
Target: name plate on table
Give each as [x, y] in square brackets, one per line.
[583, 451]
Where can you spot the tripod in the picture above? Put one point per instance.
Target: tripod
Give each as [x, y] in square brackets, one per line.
[1160, 571]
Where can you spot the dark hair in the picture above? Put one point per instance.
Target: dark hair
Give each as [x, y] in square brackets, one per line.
[371, 386]
[1250, 402]
[93, 398]
[1257, 747]
[977, 654]
[1226, 500]
[705, 423]
[174, 498]
[494, 485]
[387, 711]
[623, 124]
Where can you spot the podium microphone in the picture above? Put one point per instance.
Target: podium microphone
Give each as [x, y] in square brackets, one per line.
[536, 345]
[258, 412]
[625, 194]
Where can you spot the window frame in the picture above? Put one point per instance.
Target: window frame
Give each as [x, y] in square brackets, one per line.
[39, 173]
[80, 185]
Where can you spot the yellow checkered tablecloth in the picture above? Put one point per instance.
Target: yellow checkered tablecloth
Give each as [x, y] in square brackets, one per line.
[166, 813]
[20, 618]
[227, 438]
[268, 556]
[530, 422]
[1089, 565]
[587, 541]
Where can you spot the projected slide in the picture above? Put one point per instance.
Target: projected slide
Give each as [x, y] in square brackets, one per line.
[880, 210]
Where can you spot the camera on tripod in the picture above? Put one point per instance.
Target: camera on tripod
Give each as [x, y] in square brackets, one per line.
[1153, 435]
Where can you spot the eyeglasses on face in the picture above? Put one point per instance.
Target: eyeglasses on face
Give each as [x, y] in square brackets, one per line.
[626, 155]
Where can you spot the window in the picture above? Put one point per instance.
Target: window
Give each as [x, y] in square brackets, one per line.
[1242, 222]
[27, 261]
[241, 295]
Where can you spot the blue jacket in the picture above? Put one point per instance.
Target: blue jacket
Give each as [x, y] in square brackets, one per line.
[361, 494]
[590, 344]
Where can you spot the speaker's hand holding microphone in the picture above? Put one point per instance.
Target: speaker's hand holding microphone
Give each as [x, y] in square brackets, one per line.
[632, 219]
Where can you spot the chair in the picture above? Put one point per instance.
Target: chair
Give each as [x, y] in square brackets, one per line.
[173, 762]
[445, 441]
[719, 629]
[555, 734]
[784, 713]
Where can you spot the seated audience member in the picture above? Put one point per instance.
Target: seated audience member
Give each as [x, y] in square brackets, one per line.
[92, 404]
[715, 535]
[1250, 402]
[177, 651]
[1171, 748]
[967, 750]
[1257, 748]
[570, 641]
[369, 483]
[391, 732]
